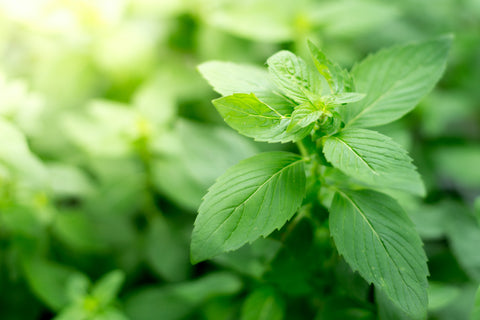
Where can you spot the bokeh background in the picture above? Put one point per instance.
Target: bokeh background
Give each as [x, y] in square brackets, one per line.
[108, 141]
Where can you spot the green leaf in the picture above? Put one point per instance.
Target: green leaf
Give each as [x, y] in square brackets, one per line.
[18, 159]
[441, 295]
[374, 159]
[387, 310]
[228, 78]
[476, 307]
[48, 281]
[463, 234]
[395, 80]
[166, 250]
[255, 119]
[377, 239]
[456, 162]
[251, 199]
[345, 97]
[303, 116]
[75, 230]
[293, 76]
[338, 79]
[263, 304]
[251, 259]
[175, 302]
[106, 289]
[477, 209]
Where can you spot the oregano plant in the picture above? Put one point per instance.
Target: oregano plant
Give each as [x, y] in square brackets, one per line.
[343, 164]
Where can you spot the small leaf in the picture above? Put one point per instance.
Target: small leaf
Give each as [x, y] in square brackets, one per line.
[338, 79]
[293, 76]
[228, 78]
[251, 199]
[395, 80]
[263, 304]
[303, 116]
[106, 289]
[374, 159]
[377, 239]
[254, 119]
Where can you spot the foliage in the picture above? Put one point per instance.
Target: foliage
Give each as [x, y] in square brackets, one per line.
[316, 209]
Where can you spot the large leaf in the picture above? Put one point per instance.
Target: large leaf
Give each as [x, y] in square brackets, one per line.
[374, 159]
[395, 80]
[293, 76]
[228, 78]
[377, 239]
[255, 119]
[251, 199]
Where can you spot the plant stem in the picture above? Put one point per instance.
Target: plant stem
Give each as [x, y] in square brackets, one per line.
[303, 150]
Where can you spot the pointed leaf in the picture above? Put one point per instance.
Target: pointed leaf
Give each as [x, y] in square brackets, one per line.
[252, 199]
[228, 78]
[395, 80]
[374, 159]
[293, 76]
[106, 289]
[254, 119]
[304, 115]
[377, 239]
[338, 79]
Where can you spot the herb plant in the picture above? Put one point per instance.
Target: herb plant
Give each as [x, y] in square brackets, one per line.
[343, 183]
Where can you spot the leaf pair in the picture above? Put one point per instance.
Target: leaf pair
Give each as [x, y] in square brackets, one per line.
[370, 229]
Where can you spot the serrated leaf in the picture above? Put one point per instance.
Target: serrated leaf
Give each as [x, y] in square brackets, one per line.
[303, 116]
[395, 80]
[387, 310]
[293, 76]
[263, 304]
[338, 79]
[253, 118]
[374, 159]
[377, 239]
[251, 199]
[228, 78]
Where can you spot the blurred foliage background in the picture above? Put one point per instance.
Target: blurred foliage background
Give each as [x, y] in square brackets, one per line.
[108, 141]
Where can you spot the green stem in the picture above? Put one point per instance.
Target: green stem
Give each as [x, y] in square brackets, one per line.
[303, 149]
